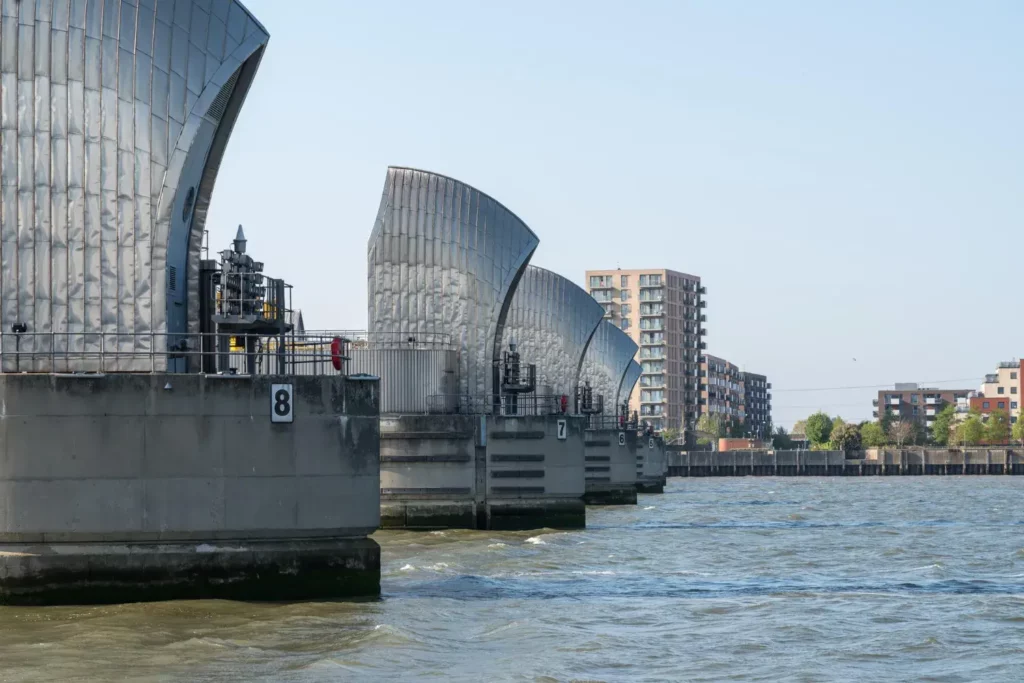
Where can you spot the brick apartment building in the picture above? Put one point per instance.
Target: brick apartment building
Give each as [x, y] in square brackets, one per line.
[663, 312]
[909, 401]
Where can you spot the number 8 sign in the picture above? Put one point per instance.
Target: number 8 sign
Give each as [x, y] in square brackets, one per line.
[281, 403]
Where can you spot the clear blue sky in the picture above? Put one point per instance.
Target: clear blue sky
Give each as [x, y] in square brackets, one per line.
[847, 178]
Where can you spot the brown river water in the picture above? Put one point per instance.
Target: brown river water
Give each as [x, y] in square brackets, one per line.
[749, 579]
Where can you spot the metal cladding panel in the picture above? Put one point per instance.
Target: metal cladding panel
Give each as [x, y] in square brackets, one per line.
[552, 321]
[407, 376]
[105, 105]
[628, 382]
[607, 360]
[444, 258]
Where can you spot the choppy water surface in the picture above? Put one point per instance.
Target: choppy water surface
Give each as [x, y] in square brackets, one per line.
[717, 579]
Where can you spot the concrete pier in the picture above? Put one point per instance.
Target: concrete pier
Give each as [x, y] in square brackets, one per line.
[871, 462]
[119, 488]
[611, 466]
[482, 472]
[650, 464]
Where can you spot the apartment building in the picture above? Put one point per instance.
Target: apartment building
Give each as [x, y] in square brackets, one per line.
[722, 389]
[1001, 390]
[757, 405]
[908, 401]
[664, 313]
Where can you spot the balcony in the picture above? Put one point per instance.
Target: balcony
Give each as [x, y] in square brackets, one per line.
[651, 312]
[702, 290]
[654, 295]
[651, 341]
[650, 281]
[703, 346]
[874, 402]
[601, 282]
[932, 400]
[892, 401]
[930, 412]
[991, 379]
[702, 304]
[603, 297]
[703, 318]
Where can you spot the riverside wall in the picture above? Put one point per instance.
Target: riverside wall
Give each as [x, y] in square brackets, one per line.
[126, 487]
[870, 462]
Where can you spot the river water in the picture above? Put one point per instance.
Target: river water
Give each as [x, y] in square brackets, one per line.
[751, 579]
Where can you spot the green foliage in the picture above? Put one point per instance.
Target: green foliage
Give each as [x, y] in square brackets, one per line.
[970, 432]
[819, 428]
[1018, 430]
[997, 428]
[943, 425]
[886, 420]
[844, 437]
[712, 426]
[670, 435]
[872, 435]
[781, 440]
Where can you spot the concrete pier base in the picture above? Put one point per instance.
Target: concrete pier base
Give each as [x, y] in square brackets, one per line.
[104, 573]
[482, 472]
[610, 456]
[127, 487]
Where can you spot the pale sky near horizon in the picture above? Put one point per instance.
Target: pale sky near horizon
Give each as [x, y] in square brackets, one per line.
[846, 178]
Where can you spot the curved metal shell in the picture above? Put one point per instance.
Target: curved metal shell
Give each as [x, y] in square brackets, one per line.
[607, 360]
[552, 321]
[629, 379]
[115, 116]
[444, 258]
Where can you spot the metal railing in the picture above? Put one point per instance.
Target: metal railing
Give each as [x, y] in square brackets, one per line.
[363, 339]
[510, 405]
[109, 352]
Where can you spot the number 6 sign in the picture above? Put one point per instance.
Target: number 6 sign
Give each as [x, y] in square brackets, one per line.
[281, 403]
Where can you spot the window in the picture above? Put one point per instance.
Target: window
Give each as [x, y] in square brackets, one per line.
[984, 405]
[999, 390]
[1013, 375]
[625, 309]
[915, 410]
[1002, 405]
[1013, 390]
[624, 295]
[623, 281]
[1013, 420]
[913, 399]
[1013, 405]
[625, 323]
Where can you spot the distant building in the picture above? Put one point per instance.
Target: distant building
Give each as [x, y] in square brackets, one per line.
[722, 389]
[757, 405]
[1001, 390]
[908, 401]
[663, 312]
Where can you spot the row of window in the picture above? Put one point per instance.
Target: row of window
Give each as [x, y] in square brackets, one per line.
[1000, 405]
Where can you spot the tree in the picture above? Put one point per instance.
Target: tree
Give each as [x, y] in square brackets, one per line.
[871, 435]
[886, 420]
[970, 432]
[735, 429]
[1018, 430]
[997, 429]
[943, 425]
[900, 432]
[781, 440]
[845, 437]
[670, 434]
[819, 428]
[711, 427]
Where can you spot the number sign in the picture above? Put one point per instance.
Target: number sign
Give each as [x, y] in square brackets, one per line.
[281, 403]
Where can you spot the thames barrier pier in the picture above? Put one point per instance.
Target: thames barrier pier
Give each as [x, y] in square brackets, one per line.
[168, 430]
[485, 399]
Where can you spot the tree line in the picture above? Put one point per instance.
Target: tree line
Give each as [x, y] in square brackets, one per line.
[833, 433]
